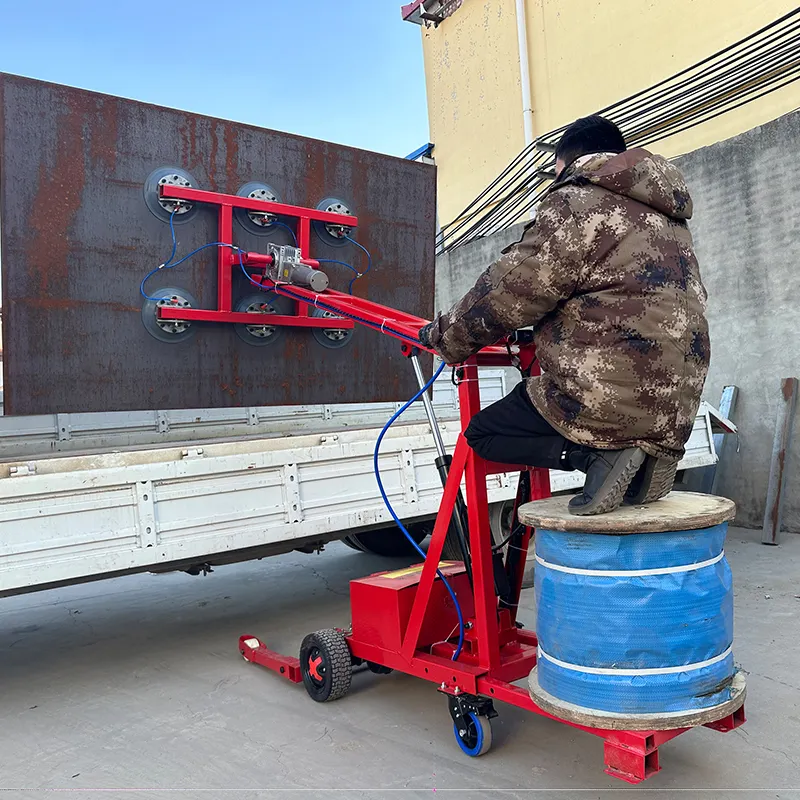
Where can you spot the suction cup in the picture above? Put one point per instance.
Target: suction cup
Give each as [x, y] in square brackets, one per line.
[333, 235]
[168, 330]
[266, 304]
[257, 222]
[332, 338]
[162, 208]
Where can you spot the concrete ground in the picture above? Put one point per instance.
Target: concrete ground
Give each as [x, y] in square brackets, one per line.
[137, 683]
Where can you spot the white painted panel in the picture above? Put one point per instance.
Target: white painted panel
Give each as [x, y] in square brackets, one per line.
[82, 515]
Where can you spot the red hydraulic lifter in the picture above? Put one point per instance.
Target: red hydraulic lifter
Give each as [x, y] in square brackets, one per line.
[407, 620]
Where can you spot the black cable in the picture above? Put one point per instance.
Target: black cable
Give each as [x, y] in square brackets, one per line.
[514, 531]
[515, 204]
[760, 63]
[666, 126]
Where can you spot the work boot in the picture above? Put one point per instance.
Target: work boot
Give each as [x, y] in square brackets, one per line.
[608, 475]
[653, 481]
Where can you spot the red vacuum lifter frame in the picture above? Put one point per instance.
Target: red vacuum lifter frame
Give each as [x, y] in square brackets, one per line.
[228, 260]
[404, 621]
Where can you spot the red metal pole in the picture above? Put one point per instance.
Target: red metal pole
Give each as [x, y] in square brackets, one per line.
[480, 537]
[304, 243]
[224, 269]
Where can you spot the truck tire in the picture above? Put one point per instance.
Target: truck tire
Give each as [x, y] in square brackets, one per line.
[451, 550]
[501, 516]
[390, 542]
[353, 543]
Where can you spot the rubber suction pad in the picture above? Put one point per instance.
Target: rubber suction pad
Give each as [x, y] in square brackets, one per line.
[332, 338]
[257, 222]
[333, 235]
[265, 303]
[162, 208]
[168, 330]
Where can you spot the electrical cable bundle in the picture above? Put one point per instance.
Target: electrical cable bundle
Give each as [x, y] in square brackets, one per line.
[762, 62]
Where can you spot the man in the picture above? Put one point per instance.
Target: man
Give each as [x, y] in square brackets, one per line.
[607, 277]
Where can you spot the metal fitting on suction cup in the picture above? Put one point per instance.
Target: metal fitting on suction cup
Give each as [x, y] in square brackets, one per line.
[330, 232]
[256, 222]
[168, 330]
[166, 208]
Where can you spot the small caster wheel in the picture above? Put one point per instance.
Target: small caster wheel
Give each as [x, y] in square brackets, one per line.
[326, 665]
[378, 669]
[473, 734]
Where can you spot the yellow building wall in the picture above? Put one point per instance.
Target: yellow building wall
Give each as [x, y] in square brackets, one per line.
[583, 54]
[474, 100]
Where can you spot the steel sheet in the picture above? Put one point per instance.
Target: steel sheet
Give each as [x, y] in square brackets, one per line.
[77, 238]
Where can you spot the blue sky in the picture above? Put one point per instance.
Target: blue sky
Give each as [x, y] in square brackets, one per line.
[348, 71]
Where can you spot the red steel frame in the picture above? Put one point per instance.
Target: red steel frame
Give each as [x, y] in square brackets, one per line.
[228, 260]
[496, 652]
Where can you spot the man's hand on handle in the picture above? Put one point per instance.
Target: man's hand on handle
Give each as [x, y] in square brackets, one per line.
[425, 335]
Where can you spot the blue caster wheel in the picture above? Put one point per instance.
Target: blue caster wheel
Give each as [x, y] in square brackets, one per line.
[473, 734]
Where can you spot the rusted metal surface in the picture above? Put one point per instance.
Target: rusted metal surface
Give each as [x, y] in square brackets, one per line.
[776, 489]
[77, 239]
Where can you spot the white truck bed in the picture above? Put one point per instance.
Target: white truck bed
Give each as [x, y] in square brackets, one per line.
[237, 484]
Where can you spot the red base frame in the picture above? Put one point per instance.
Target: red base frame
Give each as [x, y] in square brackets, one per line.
[496, 652]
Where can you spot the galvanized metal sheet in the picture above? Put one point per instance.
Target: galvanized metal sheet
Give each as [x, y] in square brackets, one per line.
[77, 238]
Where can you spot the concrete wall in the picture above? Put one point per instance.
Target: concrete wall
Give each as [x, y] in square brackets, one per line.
[458, 270]
[747, 232]
[746, 228]
[584, 55]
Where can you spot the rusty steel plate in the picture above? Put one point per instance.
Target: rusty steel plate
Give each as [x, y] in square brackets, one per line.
[77, 238]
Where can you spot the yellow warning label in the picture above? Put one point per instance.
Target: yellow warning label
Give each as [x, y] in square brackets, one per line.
[402, 573]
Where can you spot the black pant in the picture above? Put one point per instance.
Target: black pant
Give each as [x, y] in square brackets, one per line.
[512, 431]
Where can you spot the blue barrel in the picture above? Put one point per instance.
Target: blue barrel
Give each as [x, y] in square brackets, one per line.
[637, 623]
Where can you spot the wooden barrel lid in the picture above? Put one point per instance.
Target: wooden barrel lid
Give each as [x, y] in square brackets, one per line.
[613, 721]
[678, 511]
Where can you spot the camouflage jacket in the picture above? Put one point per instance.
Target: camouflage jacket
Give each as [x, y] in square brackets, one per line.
[607, 277]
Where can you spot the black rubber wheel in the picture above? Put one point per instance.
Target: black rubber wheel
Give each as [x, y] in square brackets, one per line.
[326, 665]
[390, 542]
[378, 669]
[474, 734]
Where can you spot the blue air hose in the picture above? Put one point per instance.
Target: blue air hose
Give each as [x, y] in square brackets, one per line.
[400, 525]
[284, 225]
[369, 263]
